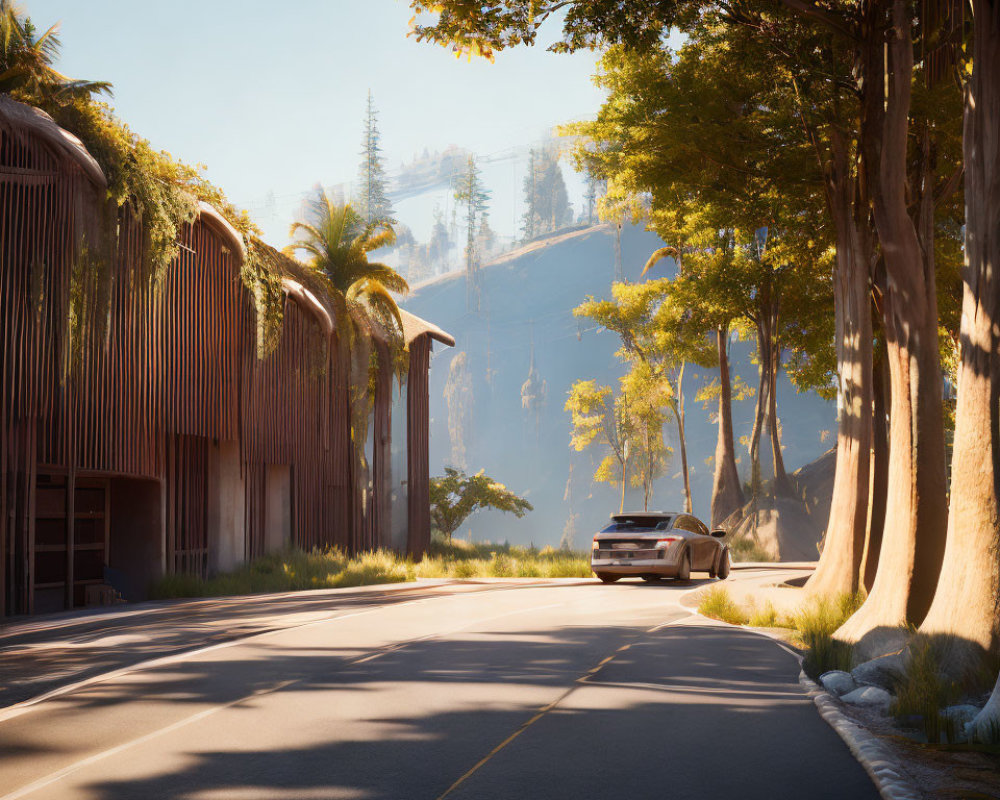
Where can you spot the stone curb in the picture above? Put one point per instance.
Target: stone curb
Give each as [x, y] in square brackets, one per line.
[865, 746]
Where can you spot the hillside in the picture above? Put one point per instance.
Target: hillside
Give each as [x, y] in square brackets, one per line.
[527, 301]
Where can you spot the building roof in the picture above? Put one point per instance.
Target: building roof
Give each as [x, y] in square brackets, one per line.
[414, 327]
[28, 118]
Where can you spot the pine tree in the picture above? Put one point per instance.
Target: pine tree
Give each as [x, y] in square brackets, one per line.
[372, 198]
[529, 225]
[469, 191]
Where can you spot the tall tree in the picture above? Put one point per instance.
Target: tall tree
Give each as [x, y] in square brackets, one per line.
[659, 335]
[372, 194]
[474, 199]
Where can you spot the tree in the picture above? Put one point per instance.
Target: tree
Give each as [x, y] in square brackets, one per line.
[26, 60]
[474, 198]
[657, 333]
[372, 196]
[337, 241]
[455, 496]
[627, 429]
[458, 395]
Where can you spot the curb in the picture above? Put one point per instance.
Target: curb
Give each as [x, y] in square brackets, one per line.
[865, 746]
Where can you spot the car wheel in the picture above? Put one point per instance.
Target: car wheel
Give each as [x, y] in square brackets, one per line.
[684, 570]
[606, 578]
[725, 564]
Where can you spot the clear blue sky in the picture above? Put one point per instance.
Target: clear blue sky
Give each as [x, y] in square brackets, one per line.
[270, 96]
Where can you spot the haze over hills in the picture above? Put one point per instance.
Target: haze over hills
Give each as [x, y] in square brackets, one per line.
[528, 296]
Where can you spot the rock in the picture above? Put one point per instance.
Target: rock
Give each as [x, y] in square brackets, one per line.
[959, 721]
[837, 682]
[883, 671]
[868, 696]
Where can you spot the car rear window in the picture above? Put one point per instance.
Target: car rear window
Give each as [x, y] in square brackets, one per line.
[637, 524]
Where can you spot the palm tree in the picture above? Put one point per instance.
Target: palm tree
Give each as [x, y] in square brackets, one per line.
[338, 241]
[26, 62]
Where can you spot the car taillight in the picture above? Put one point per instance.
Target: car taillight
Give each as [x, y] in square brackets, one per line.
[667, 541]
[596, 545]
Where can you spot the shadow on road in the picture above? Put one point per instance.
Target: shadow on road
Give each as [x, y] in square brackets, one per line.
[694, 711]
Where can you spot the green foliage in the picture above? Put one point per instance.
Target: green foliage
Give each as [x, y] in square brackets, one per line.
[546, 202]
[816, 624]
[455, 496]
[26, 59]
[453, 558]
[292, 570]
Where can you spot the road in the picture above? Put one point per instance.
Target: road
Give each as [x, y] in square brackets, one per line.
[566, 690]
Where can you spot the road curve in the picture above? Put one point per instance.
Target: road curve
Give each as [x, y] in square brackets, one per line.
[560, 691]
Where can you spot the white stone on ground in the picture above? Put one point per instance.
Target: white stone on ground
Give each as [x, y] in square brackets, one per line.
[882, 671]
[868, 696]
[838, 682]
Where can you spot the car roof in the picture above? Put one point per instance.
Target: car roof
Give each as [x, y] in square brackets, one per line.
[660, 514]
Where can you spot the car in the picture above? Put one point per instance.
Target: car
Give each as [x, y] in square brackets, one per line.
[658, 544]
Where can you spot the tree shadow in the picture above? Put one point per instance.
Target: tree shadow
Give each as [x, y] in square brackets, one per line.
[693, 711]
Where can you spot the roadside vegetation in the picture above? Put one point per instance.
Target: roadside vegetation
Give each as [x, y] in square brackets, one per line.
[297, 570]
[811, 628]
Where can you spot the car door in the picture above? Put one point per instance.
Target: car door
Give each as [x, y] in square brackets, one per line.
[696, 547]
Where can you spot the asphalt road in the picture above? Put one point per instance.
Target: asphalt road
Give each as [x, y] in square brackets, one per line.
[565, 691]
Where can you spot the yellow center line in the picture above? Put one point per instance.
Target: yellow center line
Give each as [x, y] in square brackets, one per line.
[584, 679]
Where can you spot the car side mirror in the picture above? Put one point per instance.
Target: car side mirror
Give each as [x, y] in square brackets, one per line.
[719, 533]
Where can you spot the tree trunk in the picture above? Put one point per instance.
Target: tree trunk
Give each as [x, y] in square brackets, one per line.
[760, 410]
[838, 571]
[964, 611]
[727, 493]
[781, 482]
[916, 512]
[682, 439]
[880, 472]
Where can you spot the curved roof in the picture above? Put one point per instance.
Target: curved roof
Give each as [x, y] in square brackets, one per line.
[208, 213]
[295, 289]
[28, 118]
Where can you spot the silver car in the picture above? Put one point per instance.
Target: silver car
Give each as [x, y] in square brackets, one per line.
[658, 544]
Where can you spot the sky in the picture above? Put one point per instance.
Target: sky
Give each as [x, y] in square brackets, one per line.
[271, 97]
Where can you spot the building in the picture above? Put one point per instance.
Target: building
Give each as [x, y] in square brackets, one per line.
[155, 424]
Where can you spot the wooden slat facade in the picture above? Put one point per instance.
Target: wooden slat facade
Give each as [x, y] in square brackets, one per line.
[108, 376]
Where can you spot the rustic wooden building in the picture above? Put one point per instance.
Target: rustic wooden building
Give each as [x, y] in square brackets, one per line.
[142, 428]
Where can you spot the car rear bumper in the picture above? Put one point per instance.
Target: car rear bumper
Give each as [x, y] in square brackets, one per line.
[667, 565]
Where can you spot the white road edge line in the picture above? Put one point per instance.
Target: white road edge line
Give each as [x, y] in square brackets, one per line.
[25, 706]
[66, 771]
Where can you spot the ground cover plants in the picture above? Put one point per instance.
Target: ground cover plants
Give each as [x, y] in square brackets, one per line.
[297, 570]
[811, 627]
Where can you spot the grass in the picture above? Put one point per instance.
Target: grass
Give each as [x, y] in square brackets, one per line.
[744, 548]
[331, 568]
[813, 625]
[922, 692]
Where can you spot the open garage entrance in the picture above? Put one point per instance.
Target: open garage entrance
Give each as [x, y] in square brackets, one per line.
[94, 538]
